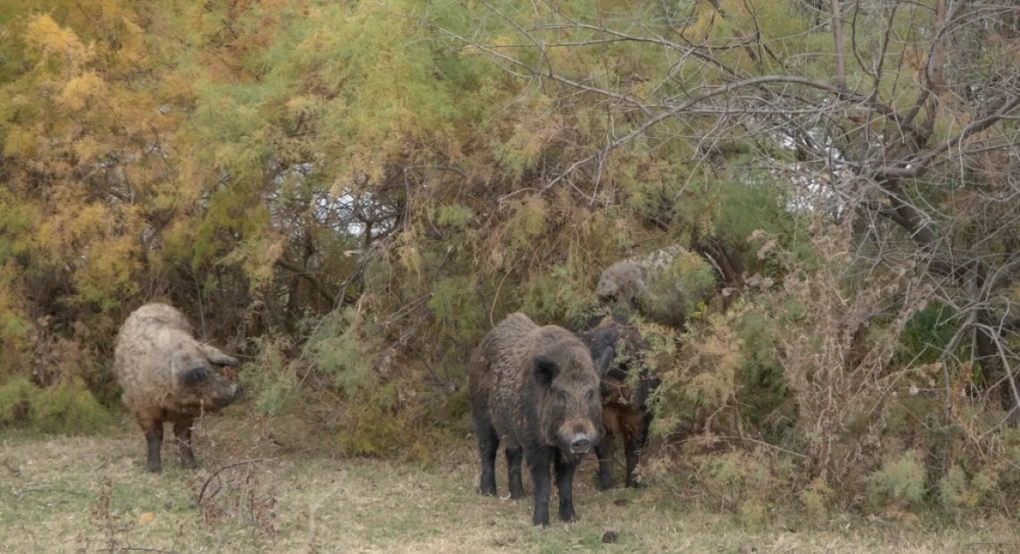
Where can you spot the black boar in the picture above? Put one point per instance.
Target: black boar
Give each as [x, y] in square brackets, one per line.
[536, 390]
[167, 377]
[624, 411]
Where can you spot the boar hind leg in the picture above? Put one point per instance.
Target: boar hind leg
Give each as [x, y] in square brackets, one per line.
[152, 426]
[514, 458]
[182, 432]
[488, 447]
[565, 485]
[604, 451]
[634, 440]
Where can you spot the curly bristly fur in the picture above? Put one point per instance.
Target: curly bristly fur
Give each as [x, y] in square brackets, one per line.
[167, 376]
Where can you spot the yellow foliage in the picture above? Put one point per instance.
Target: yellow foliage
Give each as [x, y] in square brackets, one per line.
[81, 89]
[410, 257]
[132, 42]
[44, 33]
[21, 143]
[111, 8]
[87, 149]
[110, 267]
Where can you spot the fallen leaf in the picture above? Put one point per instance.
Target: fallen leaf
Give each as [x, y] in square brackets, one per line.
[146, 518]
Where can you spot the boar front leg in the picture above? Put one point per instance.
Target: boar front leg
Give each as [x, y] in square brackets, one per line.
[541, 478]
[565, 468]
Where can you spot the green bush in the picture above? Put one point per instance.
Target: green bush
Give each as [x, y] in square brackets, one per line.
[899, 484]
[958, 493]
[815, 499]
[67, 407]
[15, 401]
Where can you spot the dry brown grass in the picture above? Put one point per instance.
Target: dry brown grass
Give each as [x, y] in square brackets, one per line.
[50, 489]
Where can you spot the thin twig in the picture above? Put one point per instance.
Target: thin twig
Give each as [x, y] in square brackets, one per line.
[213, 475]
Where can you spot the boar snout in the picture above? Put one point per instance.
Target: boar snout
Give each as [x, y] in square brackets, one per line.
[581, 444]
[226, 393]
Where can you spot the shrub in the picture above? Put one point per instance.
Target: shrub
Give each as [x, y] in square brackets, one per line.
[15, 401]
[899, 484]
[66, 407]
[958, 493]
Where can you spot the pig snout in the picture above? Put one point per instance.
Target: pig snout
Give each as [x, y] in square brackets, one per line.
[580, 444]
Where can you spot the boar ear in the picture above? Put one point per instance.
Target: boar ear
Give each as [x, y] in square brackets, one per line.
[217, 357]
[602, 364]
[545, 370]
[194, 376]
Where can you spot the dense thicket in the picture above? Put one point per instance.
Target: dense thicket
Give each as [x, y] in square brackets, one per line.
[351, 193]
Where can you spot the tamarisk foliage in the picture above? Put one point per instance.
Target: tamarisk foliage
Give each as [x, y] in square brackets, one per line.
[351, 194]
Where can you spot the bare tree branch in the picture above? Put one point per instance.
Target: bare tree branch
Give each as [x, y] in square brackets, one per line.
[837, 38]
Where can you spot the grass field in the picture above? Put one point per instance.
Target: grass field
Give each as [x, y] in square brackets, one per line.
[90, 494]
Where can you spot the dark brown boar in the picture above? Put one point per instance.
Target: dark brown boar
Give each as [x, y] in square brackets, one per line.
[624, 410]
[167, 376]
[536, 390]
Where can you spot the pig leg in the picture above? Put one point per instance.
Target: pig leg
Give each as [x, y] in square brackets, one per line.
[182, 431]
[604, 451]
[633, 443]
[565, 484]
[514, 457]
[539, 463]
[488, 447]
[152, 426]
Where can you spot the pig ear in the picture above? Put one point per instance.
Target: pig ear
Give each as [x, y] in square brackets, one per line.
[217, 357]
[194, 376]
[545, 370]
[602, 363]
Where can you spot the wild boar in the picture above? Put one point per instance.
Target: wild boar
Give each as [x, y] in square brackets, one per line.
[638, 284]
[625, 410]
[536, 390]
[167, 376]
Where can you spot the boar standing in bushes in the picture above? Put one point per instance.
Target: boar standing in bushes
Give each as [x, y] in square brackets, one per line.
[640, 284]
[624, 409]
[167, 376]
[629, 280]
[536, 390]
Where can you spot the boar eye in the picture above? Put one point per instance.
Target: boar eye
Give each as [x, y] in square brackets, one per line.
[591, 395]
[563, 396]
[194, 376]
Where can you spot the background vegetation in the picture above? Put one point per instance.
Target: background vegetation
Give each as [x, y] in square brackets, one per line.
[349, 194]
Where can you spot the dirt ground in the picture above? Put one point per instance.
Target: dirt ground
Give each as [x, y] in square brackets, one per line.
[90, 494]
